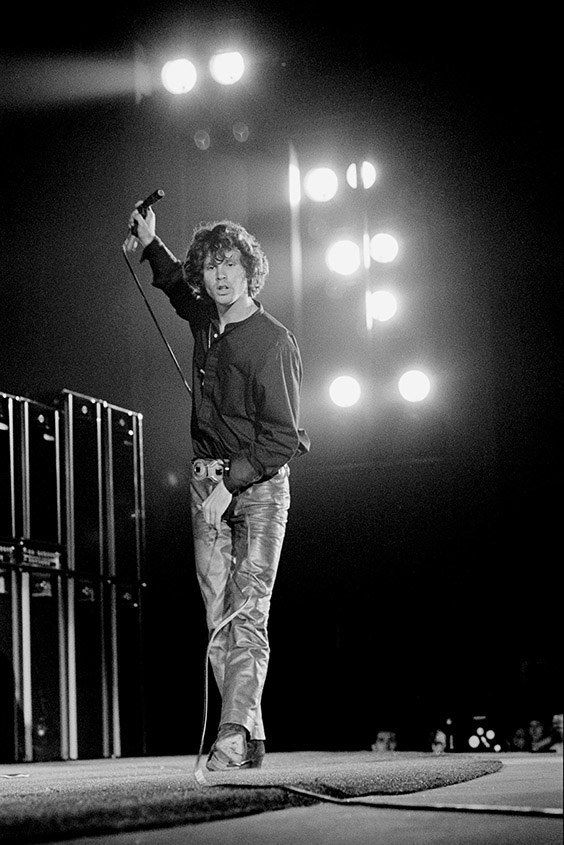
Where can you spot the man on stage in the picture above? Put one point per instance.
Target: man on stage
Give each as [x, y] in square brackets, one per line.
[247, 374]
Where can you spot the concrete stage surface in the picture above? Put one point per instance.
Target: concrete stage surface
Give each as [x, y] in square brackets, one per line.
[521, 804]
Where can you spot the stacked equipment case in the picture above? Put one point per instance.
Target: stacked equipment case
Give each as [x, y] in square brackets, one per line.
[72, 578]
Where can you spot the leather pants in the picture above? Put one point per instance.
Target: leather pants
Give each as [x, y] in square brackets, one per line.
[237, 566]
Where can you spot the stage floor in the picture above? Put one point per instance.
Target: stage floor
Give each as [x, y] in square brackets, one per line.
[529, 783]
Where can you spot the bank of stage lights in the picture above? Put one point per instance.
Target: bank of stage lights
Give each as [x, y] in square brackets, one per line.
[413, 386]
[179, 76]
[482, 737]
[345, 257]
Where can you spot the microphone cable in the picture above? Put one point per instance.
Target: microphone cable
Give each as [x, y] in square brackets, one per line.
[147, 303]
[142, 208]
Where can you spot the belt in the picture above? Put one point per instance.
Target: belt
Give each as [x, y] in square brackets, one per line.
[214, 468]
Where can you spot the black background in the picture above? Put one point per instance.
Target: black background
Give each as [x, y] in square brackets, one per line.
[420, 574]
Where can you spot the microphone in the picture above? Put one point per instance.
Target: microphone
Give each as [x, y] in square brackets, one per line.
[142, 208]
[149, 201]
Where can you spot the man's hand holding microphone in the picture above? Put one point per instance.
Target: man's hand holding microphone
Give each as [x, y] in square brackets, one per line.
[142, 222]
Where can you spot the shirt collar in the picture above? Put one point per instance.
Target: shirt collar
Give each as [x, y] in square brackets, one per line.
[231, 326]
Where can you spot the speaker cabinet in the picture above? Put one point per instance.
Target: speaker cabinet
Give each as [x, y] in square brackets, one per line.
[125, 508]
[33, 654]
[41, 482]
[105, 496]
[125, 603]
[105, 531]
[11, 694]
[43, 606]
[89, 706]
[84, 484]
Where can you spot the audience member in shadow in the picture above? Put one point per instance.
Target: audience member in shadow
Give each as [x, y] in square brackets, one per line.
[385, 741]
[556, 733]
[438, 742]
[552, 742]
[539, 740]
[520, 740]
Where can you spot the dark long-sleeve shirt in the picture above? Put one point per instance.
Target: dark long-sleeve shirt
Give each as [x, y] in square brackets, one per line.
[246, 381]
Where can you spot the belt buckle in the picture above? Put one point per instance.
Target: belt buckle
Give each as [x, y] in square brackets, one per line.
[207, 469]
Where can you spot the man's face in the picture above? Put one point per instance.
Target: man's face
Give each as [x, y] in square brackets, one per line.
[225, 278]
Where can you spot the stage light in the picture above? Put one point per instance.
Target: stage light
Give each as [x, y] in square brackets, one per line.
[345, 391]
[482, 736]
[414, 386]
[227, 68]
[240, 132]
[351, 175]
[321, 184]
[343, 257]
[202, 139]
[179, 76]
[381, 305]
[367, 174]
[383, 248]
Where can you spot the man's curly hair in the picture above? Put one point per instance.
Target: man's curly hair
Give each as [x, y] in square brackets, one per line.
[218, 238]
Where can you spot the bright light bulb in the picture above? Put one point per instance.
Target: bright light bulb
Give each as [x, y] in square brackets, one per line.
[381, 305]
[321, 184]
[367, 174]
[343, 257]
[227, 68]
[179, 76]
[414, 386]
[345, 391]
[351, 175]
[383, 248]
